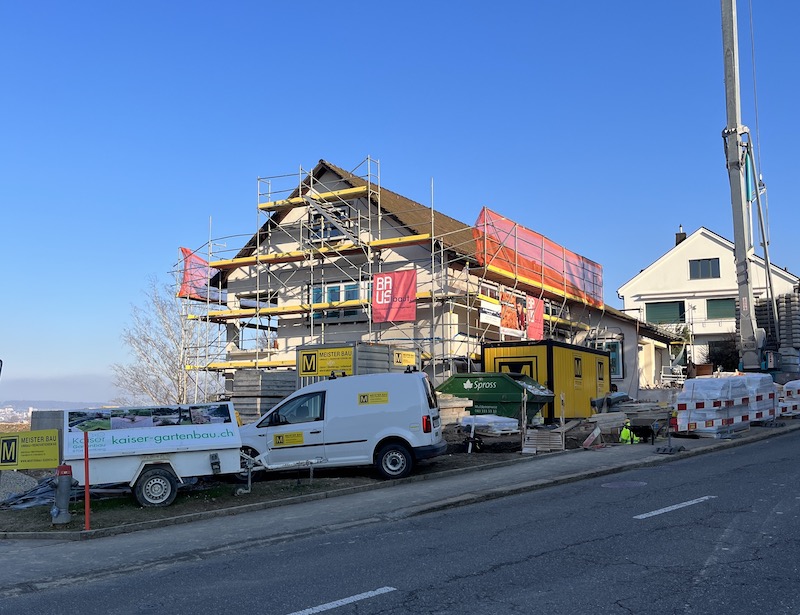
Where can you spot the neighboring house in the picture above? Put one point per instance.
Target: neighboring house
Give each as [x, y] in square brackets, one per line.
[693, 290]
[309, 271]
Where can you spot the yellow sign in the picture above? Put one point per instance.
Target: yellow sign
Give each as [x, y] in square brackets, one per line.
[378, 397]
[404, 357]
[287, 439]
[29, 450]
[323, 361]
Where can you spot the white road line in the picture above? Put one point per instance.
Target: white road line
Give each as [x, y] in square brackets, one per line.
[661, 511]
[343, 601]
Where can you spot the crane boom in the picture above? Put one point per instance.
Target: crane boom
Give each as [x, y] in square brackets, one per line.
[751, 339]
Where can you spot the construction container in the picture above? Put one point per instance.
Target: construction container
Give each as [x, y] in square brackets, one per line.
[318, 361]
[498, 393]
[576, 374]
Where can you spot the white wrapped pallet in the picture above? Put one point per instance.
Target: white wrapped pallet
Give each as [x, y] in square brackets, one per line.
[761, 392]
[791, 390]
[788, 407]
[714, 423]
[712, 389]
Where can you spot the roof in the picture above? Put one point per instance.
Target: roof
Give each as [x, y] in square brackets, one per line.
[454, 235]
[711, 235]
[645, 329]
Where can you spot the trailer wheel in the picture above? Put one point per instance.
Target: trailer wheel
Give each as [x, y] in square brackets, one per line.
[156, 487]
[241, 476]
[394, 461]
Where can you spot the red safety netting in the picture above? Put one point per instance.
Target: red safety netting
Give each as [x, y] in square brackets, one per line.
[196, 276]
[524, 253]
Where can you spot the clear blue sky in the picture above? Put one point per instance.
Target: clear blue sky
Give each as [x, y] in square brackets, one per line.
[127, 127]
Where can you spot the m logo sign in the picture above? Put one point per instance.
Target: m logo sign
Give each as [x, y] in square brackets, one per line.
[9, 450]
[308, 363]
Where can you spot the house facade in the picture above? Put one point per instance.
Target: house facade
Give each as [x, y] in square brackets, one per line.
[309, 275]
[692, 289]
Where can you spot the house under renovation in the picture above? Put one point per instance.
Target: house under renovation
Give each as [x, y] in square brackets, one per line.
[342, 274]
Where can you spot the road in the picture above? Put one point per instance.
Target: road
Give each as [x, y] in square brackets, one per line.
[717, 533]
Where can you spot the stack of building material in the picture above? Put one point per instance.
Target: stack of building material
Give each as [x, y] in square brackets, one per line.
[714, 407]
[543, 440]
[490, 425]
[256, 391]
[546, 440]
[453, 409]
[610, 424]
[762, 396]
[789, 404]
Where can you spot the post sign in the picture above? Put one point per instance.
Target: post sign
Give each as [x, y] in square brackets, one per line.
[404, 357]
[323, 361]
[29, 450]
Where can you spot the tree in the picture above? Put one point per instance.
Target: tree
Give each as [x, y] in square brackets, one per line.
[724, 354]
[161, 340]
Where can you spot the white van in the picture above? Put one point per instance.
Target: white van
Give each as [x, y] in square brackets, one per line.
[386, 420]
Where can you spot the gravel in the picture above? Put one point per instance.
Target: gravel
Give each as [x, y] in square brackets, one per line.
[12, 482]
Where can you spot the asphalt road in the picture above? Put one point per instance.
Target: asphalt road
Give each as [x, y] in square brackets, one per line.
[716, 533]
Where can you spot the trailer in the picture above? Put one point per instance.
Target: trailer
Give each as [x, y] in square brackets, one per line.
[152, 449]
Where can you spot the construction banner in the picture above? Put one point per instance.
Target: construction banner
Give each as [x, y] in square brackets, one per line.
[394, 296]
[535, 318]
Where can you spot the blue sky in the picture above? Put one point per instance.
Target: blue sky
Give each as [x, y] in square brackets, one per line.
[130, 129]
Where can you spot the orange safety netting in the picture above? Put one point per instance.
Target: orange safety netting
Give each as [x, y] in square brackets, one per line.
[523, 253]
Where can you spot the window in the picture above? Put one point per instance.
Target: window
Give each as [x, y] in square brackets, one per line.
[615, 362]
[720, 308]
[704, 268]
[331, 227]
[335, 292]
[666, 312]
[578, 367]
[303, 409]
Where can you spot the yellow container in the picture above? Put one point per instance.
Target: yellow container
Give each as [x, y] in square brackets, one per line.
[577, 373]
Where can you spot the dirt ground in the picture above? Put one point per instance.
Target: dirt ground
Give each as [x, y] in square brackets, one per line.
[209, 495]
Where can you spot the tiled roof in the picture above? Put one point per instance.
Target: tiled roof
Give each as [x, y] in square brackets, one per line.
[455, 235]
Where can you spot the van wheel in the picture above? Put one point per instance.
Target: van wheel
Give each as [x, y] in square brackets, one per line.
[394, 461]
[156, 487]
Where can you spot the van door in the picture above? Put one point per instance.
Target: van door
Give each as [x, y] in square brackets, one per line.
[295, 431]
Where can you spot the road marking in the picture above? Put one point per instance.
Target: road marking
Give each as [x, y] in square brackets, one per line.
[661, 511]
[343, 601]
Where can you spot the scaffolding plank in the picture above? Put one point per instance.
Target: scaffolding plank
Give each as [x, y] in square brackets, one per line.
[303, 308]
[325, 197]
[300, 255]
[499, 275]
[237, 364]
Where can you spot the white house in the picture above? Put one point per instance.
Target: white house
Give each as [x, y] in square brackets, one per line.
[693, 289]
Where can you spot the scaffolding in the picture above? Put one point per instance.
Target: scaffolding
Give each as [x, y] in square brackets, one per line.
[323, 234]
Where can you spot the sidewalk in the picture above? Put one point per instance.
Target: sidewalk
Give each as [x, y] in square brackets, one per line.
[45, 558]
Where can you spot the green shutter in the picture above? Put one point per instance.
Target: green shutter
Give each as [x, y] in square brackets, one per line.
[665, 312]
[720, 308]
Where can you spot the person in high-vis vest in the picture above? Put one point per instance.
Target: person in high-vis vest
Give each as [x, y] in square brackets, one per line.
[626, 436]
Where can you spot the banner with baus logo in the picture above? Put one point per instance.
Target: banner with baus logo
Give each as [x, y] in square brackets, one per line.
[394, 296]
